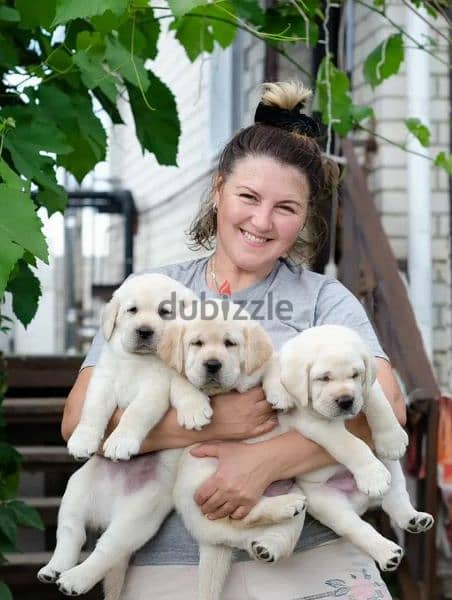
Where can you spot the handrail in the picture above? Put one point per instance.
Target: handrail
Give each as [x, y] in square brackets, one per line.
[369, 269]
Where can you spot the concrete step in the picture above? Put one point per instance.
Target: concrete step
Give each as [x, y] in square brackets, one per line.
[32, 409]
[46, 506]
[47, 458]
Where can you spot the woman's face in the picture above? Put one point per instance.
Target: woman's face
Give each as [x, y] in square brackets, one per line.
[262, 206]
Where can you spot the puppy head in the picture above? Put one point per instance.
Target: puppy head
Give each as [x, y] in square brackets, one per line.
[328, 369]
[217, 351]
[141, 309]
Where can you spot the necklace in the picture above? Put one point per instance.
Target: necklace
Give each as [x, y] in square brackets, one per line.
[225, 288]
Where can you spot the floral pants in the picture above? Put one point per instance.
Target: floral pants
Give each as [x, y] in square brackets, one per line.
[332, 570]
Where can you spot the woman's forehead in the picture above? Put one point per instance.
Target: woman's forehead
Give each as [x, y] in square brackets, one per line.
[260, 172]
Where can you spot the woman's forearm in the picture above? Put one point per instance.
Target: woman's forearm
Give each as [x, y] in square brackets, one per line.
[293, 454]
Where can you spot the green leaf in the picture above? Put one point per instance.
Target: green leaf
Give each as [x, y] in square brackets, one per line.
[384, 61]
[420, 131]
[157, 130]
[9, 14]
[36, 14]
[181, 7]
[25, 515]
[19, 222]
[197, 32]
[53, 200]
[73, 114]
[106, 23]
[10, 253]
[287, 23]
[26, 290]
[8, 525]
[121, 60]
[250, 10]
[9, 56]
[147, 31]
[12, 179]
[89, 58]
[5, 592]
[444, 161]
[9, 484]
[66, 10]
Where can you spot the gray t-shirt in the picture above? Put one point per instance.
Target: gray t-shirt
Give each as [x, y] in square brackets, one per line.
[290, 299]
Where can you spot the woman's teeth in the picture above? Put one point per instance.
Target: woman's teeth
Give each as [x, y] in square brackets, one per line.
[253, 238]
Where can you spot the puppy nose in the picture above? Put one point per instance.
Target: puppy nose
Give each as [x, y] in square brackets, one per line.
[345, 402]
[212, 365]
[144, 332]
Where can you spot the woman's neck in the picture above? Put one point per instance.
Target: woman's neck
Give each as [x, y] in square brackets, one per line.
[221, 269]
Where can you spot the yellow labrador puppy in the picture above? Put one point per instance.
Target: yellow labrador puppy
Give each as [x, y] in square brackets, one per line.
[324, 376]
[127, 500]
[217, 355]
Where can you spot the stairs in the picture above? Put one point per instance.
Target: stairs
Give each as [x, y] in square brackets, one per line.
[33, 409]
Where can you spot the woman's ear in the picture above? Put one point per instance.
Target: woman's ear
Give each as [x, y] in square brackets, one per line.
[171, 346]
[258, 347]
[108, 319]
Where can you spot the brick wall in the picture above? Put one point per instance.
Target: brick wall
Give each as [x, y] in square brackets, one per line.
[388, 177]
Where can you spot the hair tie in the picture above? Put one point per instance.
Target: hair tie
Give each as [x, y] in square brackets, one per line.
[291, 120]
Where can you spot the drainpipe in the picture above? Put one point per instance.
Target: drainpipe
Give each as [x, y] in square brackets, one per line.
[418, 188]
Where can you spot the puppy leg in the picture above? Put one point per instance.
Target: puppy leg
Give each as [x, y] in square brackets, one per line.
[332, 508]
[71, 534]
[389, 436]
[397, 504]
[275, 509]
[274, 542]
[192, 406]
[114, 581]
[138, 419]
[214, 564]
[136, 523]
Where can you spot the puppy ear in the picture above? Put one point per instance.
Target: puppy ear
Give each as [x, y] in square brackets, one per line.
[370, 373]
[258, 347]
[171, 347]
[108, 319]
[296, 378]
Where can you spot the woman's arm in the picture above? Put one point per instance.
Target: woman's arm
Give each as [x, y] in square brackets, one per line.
[236, 417]
[246, 470]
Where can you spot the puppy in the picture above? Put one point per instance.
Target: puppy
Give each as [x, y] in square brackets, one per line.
[216, 356]
[324, 376]
[127, 501]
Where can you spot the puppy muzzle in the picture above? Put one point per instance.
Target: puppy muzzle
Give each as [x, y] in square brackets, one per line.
[345, 403]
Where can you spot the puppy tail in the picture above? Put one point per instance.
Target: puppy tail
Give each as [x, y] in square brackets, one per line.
[114, 581]
[214, 565]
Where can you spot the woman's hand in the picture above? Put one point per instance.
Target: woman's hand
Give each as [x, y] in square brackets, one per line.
[238, 416]
[242, 476]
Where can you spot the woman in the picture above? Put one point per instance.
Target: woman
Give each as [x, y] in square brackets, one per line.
[270, 178]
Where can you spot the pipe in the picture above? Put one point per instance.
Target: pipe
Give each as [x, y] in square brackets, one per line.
[418, 188]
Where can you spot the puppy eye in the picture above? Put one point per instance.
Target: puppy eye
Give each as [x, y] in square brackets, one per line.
[355, 375]
[229, 343]
[164, 312]
[198, 343]
[324, 378]
[132, 310]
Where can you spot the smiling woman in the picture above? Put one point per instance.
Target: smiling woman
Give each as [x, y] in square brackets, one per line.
[260, 221]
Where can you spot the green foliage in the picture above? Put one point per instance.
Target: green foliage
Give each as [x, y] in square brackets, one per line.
[444, 161]
[384, 61]
[420, 131]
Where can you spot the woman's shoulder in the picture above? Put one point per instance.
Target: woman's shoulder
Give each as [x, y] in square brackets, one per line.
[184, 271]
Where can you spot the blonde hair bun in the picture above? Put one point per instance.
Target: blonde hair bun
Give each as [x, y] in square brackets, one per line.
[285, 94]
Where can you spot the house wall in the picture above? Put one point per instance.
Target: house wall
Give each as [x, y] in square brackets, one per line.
[388, 176]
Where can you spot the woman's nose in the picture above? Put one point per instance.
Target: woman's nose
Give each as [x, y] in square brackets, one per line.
[262, 219]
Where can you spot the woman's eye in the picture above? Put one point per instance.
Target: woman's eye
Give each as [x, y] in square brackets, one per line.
[132, 310]
[229, 343]
[248, 196]
[287, 209]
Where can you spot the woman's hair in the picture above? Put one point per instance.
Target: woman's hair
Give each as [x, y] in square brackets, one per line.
[287, 145]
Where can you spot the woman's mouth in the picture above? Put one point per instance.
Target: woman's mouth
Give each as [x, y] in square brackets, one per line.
[253, 239]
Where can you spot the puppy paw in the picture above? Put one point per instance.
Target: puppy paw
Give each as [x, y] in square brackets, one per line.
[388, 555]
[194, 415]
[373, 480]
[260, 552]
[84, 442]
[279, 398]
[391, 444]
[121, 447]
[74, 582]
[48, 574]
[421, 522]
